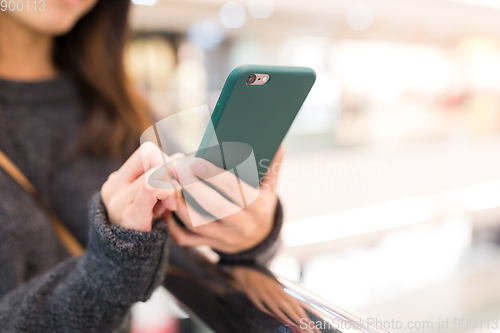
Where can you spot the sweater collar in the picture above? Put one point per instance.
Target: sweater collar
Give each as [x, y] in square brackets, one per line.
[27, 92]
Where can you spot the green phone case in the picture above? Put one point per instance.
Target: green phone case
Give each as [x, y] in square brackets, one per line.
[259, 116]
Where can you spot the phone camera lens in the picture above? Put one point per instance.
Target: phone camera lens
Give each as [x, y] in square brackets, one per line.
[251, 79]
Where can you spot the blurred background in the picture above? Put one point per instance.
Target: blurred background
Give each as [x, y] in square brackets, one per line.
[391, 184]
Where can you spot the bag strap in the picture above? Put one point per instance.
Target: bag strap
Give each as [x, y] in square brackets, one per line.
[65, 236]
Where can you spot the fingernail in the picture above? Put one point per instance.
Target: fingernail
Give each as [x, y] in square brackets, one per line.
[159, 184]
[197, 166]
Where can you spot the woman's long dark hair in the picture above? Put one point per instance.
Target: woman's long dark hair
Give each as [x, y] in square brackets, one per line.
[93, 53]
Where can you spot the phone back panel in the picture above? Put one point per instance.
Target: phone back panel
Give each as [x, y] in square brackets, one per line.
[259, 116]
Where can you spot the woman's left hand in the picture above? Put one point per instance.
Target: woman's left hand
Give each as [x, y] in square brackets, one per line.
[238, 227]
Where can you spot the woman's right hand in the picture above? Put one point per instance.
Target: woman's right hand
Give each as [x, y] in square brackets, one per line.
[131, 202]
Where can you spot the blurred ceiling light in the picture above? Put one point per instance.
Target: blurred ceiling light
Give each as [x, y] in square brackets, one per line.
[493, 4]
[391, 214]
[232, 15]
[482, 196]
[260, 8]
[381, 69]
[438, 26]
[205, 34]
[145, 2]
[482, 58]
[357, 221]
[305, 51]
[359, 16]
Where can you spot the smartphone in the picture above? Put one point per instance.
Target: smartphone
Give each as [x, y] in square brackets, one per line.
[257, 106]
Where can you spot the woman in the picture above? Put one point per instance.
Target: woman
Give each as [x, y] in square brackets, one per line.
[68, 120]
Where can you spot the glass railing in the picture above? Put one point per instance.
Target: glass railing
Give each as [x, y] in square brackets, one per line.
[251, 299]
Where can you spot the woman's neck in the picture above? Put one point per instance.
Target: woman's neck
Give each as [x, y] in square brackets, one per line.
[25, 55]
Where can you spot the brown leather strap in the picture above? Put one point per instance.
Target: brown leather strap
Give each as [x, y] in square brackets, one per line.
[69, 241]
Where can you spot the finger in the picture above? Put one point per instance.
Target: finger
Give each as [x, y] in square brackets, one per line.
[302, 314]
[208, 198]
[270, 180]
[147, 156]
[128, 194]
[184, 237]
[204, 225]
[225, 181]
[290, 306]
[292, 310]
[159, 209]
[194, 220]
[271, 305]
[159, 178]
[131, 170]
[140, 212]
[154, 178]
[254, 298]
[190, 216]
[175, 158]
[282, 300]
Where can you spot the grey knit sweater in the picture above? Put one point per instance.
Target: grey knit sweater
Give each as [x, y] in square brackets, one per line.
[42, 289]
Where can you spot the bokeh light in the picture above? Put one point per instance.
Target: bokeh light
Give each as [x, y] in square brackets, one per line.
[260, 8]
[232, 15]
[205, 34]
[359, 17]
